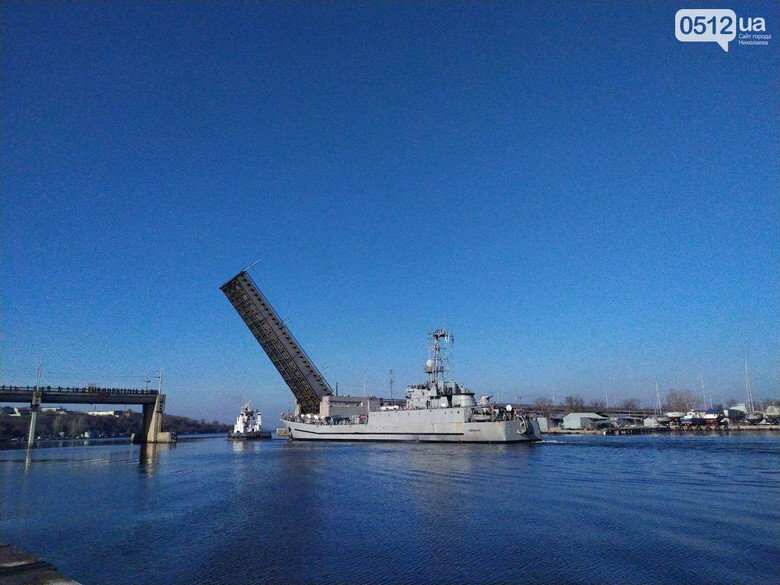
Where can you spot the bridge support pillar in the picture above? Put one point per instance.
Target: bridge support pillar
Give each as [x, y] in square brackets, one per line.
[35, 405]
[152, 431]
[33, 422]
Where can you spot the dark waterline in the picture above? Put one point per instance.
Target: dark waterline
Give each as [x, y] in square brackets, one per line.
[649, 509]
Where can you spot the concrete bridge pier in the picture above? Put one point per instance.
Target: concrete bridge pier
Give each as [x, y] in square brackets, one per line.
[152, 430]
[35, 406]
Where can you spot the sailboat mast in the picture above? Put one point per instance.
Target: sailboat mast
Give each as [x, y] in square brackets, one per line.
[703, 395]
[748, 390]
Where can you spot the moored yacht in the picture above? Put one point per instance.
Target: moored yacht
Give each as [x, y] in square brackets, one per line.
[693, 418]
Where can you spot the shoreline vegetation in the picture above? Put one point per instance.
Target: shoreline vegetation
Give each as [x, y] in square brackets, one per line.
[57, 424]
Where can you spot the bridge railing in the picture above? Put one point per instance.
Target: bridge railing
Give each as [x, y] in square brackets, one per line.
[88, 390]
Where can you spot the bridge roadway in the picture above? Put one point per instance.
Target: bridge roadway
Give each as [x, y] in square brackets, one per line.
[152, 401]
[87, 395]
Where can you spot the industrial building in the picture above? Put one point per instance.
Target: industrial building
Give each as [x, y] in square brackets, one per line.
[584, 420]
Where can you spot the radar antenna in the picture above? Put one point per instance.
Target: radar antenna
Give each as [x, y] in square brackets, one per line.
[438, 362]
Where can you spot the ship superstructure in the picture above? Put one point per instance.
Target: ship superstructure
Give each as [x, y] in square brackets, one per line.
[440, 410]
[249, 425]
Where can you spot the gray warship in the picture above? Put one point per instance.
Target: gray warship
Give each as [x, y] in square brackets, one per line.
[440, 410]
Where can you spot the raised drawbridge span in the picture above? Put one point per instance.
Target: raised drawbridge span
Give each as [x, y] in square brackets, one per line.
[297, 370]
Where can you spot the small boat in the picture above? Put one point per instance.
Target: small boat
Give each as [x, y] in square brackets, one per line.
[712, 416]
[772, 413]
[754, 418]
[248, 426]
[735, 412]
[693, 418]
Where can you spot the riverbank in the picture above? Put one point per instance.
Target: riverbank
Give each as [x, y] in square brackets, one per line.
[60, 424]
[717, 430]
[18, 567]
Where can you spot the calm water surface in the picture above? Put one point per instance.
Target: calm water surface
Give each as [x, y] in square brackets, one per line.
[651, 509]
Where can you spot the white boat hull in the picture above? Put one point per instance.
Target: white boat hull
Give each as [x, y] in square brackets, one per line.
[436, 426]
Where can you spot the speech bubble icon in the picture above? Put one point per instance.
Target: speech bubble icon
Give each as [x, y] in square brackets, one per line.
[706, 26]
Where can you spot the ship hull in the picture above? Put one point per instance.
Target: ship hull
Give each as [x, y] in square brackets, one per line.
[253, 436]
[417, 426]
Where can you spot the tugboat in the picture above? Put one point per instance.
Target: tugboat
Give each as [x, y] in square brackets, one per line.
[248, 426]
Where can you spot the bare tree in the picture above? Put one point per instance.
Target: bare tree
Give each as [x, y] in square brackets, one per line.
[75, 426]
[57, 425]
[629, 404]
[574, 402]
[680, 400]
[543, 405]
[597, 404]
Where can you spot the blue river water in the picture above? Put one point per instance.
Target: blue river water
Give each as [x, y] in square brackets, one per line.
[581, 509]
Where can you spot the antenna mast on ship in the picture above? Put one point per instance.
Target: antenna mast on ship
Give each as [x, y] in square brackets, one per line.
[391, 380]
[437, 364]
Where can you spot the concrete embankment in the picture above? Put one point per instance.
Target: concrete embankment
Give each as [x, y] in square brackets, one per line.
[674, 430]
[18, 567]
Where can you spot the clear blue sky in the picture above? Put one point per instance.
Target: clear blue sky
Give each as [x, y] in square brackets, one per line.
[586, 201]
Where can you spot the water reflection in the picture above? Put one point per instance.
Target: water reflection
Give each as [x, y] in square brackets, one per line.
[149, 456]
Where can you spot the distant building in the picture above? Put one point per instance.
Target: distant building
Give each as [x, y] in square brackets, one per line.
[556, 419]
[584, 420]
[10, 411]
[544, 423]
[625, 419]
[105, 413]
[54, 409]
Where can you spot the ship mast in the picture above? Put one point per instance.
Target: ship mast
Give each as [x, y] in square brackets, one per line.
[436, 364]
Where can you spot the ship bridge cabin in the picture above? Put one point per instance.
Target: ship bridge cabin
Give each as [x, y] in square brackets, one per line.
[346, 406]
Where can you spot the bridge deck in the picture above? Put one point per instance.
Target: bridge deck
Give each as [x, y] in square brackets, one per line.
[59, 395]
